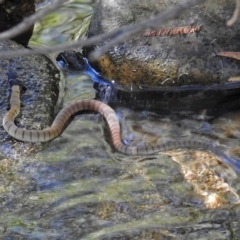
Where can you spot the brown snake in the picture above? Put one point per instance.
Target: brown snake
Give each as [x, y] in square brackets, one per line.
[113, 123]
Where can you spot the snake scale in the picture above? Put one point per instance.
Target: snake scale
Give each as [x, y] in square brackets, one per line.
[109, 114]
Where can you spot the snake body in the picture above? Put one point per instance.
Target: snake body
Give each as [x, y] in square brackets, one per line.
[113, 123]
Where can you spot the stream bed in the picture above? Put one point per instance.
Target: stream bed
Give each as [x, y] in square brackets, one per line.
[78, 187]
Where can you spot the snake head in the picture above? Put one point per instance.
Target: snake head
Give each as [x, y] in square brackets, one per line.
[12, 74]
[13, 78]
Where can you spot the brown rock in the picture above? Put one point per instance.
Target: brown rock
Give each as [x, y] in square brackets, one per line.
[168, 60]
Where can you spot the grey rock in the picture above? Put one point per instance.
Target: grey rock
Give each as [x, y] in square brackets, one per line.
[40, 77]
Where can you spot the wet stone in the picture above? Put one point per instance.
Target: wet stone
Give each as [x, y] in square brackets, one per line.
[40, 79]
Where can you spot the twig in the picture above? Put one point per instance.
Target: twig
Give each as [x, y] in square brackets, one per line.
[115, 36]
[172, 31]
[29, 21]
[234, 17]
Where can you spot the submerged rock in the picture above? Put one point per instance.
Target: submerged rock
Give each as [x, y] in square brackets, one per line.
[40, 78]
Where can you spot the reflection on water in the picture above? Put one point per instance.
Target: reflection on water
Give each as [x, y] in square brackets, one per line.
[79, 188]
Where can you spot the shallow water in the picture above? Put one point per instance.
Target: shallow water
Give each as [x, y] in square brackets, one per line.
[78, 187]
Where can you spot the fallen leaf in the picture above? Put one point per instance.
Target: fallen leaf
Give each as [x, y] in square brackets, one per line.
[235, 55]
